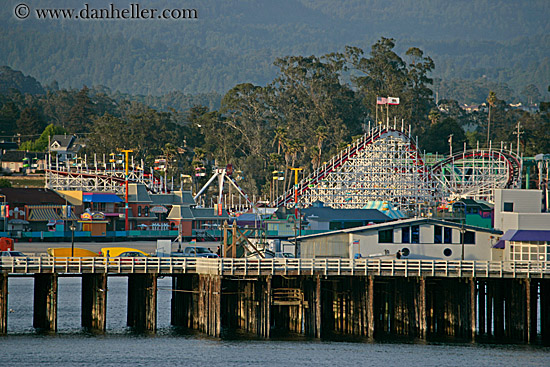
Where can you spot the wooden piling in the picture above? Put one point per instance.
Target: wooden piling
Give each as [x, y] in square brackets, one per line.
[544, 285]
[94, 302]
[498, 306]
[3, 303]
[422, 309]
[370, 307]
[45, 302]
[489, 307]
[142, 302]
[209, 304]
[481, 297]
[473, 309]
[318, 307]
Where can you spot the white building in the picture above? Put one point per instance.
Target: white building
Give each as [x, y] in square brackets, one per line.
[518, 214]
[419, 238]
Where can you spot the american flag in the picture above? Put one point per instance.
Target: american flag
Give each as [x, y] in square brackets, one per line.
[381, 100]
[356, 242]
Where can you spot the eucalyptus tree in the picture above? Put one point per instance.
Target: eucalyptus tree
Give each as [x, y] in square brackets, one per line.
[311, 104]
[385, 74]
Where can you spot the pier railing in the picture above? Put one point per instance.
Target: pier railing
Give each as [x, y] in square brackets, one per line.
[251, 267]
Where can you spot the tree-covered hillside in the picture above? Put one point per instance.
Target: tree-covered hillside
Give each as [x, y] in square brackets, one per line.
[311, 109]
[235, 41]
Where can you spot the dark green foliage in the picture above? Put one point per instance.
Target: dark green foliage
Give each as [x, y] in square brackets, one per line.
[234, 42]
[41, 144]
[12, 79]
[437, 138]
[29, 123]
[9, 114]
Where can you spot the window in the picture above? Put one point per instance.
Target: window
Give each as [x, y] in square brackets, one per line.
[385, 236]
[529, 250]
[406, 235]
[447, 235]
[438, 234]
[469, 238]
[146, 211]
[508, 207]
[139, 211]
[415, 234]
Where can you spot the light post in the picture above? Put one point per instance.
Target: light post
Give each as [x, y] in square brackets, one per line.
[277, 176]
[462, 230]
[73, 228]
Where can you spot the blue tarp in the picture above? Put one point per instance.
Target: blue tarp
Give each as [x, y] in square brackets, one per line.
[100, 198]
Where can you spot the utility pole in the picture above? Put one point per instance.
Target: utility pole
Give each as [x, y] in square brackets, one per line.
[126, 151]
[518, 133]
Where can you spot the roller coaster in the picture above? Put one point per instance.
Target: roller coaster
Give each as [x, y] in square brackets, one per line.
[385, 164]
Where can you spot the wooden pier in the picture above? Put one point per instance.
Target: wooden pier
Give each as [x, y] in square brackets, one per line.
[463, 300]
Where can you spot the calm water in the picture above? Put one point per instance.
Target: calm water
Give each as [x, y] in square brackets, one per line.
[72, 347]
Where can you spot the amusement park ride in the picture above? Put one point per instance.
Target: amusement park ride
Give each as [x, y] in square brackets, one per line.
[385, 164]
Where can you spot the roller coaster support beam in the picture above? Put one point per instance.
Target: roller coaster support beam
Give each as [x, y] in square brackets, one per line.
[126, 151]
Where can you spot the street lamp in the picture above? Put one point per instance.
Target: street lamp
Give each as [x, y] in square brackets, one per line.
[462, 220]
[72, 228]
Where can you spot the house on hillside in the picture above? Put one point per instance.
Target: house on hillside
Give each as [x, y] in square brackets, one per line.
[66, 147]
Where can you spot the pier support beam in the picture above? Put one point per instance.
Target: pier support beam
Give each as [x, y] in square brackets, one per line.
[142, 302]
[3, 303]
[481, 297]
[209, 304]
[184, 301]
[197, 303]
[450, 307]
[545, 310]
[45, 302]
[370, 307]
[421, 309]
[94, 302]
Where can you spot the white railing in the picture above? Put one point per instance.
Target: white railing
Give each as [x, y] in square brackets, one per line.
[358, 267]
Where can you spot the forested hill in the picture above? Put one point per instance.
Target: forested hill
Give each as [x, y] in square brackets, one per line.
[236, 41]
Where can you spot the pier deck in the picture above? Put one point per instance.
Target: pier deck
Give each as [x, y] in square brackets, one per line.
[327, 267]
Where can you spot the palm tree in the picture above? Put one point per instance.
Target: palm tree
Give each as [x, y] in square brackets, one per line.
[280, 138]
[491, 101]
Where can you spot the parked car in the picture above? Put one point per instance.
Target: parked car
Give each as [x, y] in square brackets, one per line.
[16, 256]
[136, 254]
[285, 255]
[117, 251]
[195, 251]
